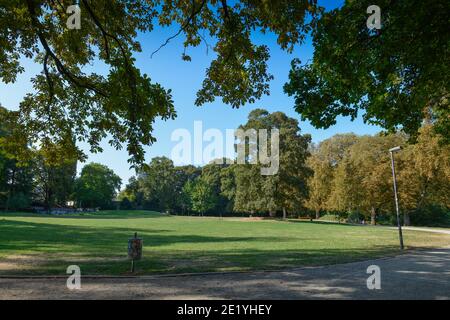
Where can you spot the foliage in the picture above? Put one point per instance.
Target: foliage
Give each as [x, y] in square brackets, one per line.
[394, 76]
[123, 103]
[431, 216]
[126, 204]
[424, 176]
[211, 175]
[285, 190]
[202, 196]
[19, 201]
[184, 175]
[352, 176]
[54, 174]
[16, 179]
[156, 182]
[96, 186]
[322, 184]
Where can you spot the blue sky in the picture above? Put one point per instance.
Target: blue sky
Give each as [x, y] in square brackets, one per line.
[185, 78]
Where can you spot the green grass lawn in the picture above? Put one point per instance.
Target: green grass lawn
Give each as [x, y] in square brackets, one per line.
[36, 244]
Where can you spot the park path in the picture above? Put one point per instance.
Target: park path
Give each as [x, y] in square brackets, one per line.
[443, 231]
[420, 274]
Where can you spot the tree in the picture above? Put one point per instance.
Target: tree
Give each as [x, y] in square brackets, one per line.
[183, 176]
[286, 190]
[333, 150]
[324, 162]
[126, 204]
[157, 183]
[228, 185]
[362, 182]
[96, 186]
[202, 196]
[250, 192]
[16, 184]
[54, 169]
[124, 103]
[185, 198]
[132, 193]
[211, 174]
[346, 194]
[16, 179]
[319, 184]
[424, 174]
[371, 161]
[47, 177]
[393, 76]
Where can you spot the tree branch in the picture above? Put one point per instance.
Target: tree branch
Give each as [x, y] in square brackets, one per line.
[184, 26]
[59, 65]
[132, 83]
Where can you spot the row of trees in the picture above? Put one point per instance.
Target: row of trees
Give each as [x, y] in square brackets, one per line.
[226, 187]
[49, 177]
[353, 175]
[38, 184]
[347, 175]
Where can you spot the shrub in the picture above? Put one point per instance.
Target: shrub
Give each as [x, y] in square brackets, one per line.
[126, 204]
[431, 216]
[19, 201]
[354, 217]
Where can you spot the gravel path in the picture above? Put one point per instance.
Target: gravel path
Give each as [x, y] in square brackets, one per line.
[422, 274]
[443, 231]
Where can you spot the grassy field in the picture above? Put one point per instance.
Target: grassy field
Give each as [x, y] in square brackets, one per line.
[36, 244]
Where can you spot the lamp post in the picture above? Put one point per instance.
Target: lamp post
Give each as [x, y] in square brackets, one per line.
[391, 151]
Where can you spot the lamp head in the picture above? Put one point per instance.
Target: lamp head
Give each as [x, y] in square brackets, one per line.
[395, 149]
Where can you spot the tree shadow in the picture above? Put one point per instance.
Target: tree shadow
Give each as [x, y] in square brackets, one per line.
[49, 249]
[100, 250]
[109, 214]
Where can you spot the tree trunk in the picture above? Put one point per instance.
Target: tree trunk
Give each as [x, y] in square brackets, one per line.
[272, 213]
[7, 201]
[317, 214]
[11, 189]
[284, 213]
[406, 220]
[373, 216]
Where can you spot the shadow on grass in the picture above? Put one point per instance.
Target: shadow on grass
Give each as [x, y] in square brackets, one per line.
[110, 214]
[160, 262]
[21, 235]
[39, 248]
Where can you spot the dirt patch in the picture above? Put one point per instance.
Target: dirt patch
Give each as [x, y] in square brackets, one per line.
[16, 263]
[249, 219]
[21, 262]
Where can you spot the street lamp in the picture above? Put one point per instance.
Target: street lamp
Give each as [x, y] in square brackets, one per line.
[391, 151]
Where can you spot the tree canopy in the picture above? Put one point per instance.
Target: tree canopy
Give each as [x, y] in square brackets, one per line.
[70, 100]
[286, 190]
[97, 186]
[395, 76]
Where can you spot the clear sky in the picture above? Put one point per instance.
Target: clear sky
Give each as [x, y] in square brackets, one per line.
[185, 78]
